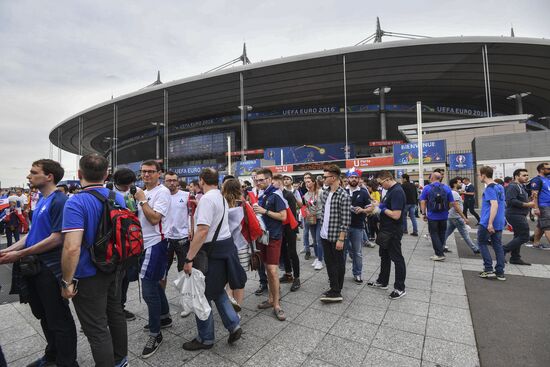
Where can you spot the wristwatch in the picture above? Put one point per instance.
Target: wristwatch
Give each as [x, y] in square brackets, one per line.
[65, 284]
[187, 261]
[142, 202]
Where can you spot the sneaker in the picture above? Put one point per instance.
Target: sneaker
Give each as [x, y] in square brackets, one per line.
[542, 246]
[487, 274]
[295, 285]
[477, 252]
[152, 346]
[41, 362]
[185, 313]
[235, 335]
[377, 285]
[357, 279]
[129, 316]
[500, 277]
[318, 266]
[123, 363]
[331, 297]
[261, 290]
[414, 234]
[196, 345]
[308, 255]
[371, 244]
[164, 324]
[446, 249]
[314, 262]
[235, 305]
[437, 258]
[396, 294]
[286, 278]
[303, 251]
[519, 262]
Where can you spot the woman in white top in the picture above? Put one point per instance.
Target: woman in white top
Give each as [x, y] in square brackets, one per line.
[312, 220]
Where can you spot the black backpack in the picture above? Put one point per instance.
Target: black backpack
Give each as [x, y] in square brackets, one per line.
[437, 199]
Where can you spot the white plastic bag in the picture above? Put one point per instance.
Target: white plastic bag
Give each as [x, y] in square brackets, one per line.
[191, 288]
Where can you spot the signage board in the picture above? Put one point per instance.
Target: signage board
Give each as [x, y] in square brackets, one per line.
[434, 151]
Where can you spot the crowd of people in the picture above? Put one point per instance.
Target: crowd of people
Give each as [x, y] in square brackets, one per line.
[225, 229]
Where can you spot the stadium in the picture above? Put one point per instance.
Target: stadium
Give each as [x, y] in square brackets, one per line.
[355, 97]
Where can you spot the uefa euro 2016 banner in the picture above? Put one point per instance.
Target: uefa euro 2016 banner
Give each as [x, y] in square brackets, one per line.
[434, 152]
[307, 153]
[245, 168]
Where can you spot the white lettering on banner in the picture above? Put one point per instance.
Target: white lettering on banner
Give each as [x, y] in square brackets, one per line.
[309, 111]
[461, 111]
[428, 144]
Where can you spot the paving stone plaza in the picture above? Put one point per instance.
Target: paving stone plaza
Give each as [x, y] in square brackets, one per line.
[430, 326]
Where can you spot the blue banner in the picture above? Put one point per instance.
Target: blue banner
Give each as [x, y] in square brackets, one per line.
[434, 152]
[307, 153]
[244, 168]
[461, 161]
[195, 170]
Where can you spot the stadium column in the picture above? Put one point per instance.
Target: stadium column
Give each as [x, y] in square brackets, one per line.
[383, 134]
[166, 150]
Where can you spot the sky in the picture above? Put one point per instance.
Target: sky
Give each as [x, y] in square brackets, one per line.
[60, 57]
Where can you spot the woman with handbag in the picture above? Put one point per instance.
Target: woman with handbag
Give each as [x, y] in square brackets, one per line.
[313, 216]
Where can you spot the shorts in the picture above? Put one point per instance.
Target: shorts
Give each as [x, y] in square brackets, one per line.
[153, 266]
[544, 218]
[244, 258]
[271, 253]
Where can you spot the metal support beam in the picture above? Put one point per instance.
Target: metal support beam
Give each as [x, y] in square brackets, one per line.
[165, 119]
[420, 147]
[346, 148]
[244, 138]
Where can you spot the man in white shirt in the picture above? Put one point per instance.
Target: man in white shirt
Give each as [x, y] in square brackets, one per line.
[154, 205]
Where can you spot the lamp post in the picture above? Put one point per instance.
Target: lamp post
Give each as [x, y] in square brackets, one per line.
[519, 101]
[158, 125]
[244, 136]
[382, 91]
[111, 141]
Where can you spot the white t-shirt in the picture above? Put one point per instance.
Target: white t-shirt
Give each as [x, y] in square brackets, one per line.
[209, 212]
[159, 200]
[34, 199]
[21, 202]
[177, 219]
[326, 217]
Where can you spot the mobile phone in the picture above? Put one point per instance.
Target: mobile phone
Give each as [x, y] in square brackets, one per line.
[75, 285]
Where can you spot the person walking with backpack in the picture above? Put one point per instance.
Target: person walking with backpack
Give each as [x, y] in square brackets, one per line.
[95, 294]
[434, 203]
[154, 205]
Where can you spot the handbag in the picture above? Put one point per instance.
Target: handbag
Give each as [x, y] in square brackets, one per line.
[200, 262]
[255, 257]
[30, 265]
[383, 238]
[311, 218]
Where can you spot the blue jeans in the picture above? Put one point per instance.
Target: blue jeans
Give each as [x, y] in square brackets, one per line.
[483, 237]
[157, 304]
[315, 232]
[306, 236]
[437, 229]
[409, 210]
[354, 244]
[228, 315]
[458, 223]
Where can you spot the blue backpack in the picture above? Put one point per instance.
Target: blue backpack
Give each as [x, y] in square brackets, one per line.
[437, 199]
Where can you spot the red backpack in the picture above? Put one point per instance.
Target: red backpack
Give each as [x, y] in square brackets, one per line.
[119, 240]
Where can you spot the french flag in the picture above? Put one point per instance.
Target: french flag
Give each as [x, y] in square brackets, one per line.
[4, 204]
[289, 216]
[244, 225]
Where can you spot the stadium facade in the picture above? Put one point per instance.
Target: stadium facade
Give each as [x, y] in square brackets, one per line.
[352, 97]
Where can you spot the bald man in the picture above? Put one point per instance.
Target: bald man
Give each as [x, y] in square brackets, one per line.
[435, 201]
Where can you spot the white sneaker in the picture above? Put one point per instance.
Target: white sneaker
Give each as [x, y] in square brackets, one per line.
[314, 263]
[185, 313]
[318, 266]
[437, 258]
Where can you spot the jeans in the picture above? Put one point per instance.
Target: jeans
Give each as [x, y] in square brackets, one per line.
[409, 210]
[306, 236]
[483, 237]
[157, 304]
[10, 233]
[336, 265]
[288, 251]
[521, 235]
[228, 315]
[437, 229]
[354, 244]
[98, 307]
[55, 317]
[392, 252]
[458, 223]
[469, 206]
[315, 231]
[373, 226]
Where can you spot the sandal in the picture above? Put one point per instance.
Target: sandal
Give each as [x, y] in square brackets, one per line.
[279, 314]
[265, 305]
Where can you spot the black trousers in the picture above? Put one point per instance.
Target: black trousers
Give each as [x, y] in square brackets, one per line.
[521, 235]
[98, 308]
[55, 317]
[288, 251]
[179, 248]
[336, 265]
[438, 229]
[469, 206]
[392, 253]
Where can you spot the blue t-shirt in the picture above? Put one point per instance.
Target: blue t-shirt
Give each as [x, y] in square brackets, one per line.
[493, 192]
[274, 203]
[542, 185]
[425, 195]
[83, 212]
[359, 198]
[47, 219]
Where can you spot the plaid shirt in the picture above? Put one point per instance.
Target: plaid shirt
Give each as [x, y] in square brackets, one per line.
[340, 213]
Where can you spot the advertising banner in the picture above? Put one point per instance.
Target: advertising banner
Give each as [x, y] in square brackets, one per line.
[434, 152]
[384, 143]
[195, 170]
[281, 169]
[369, 162]
[461, 161]
[244, 168]
[307, 153]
